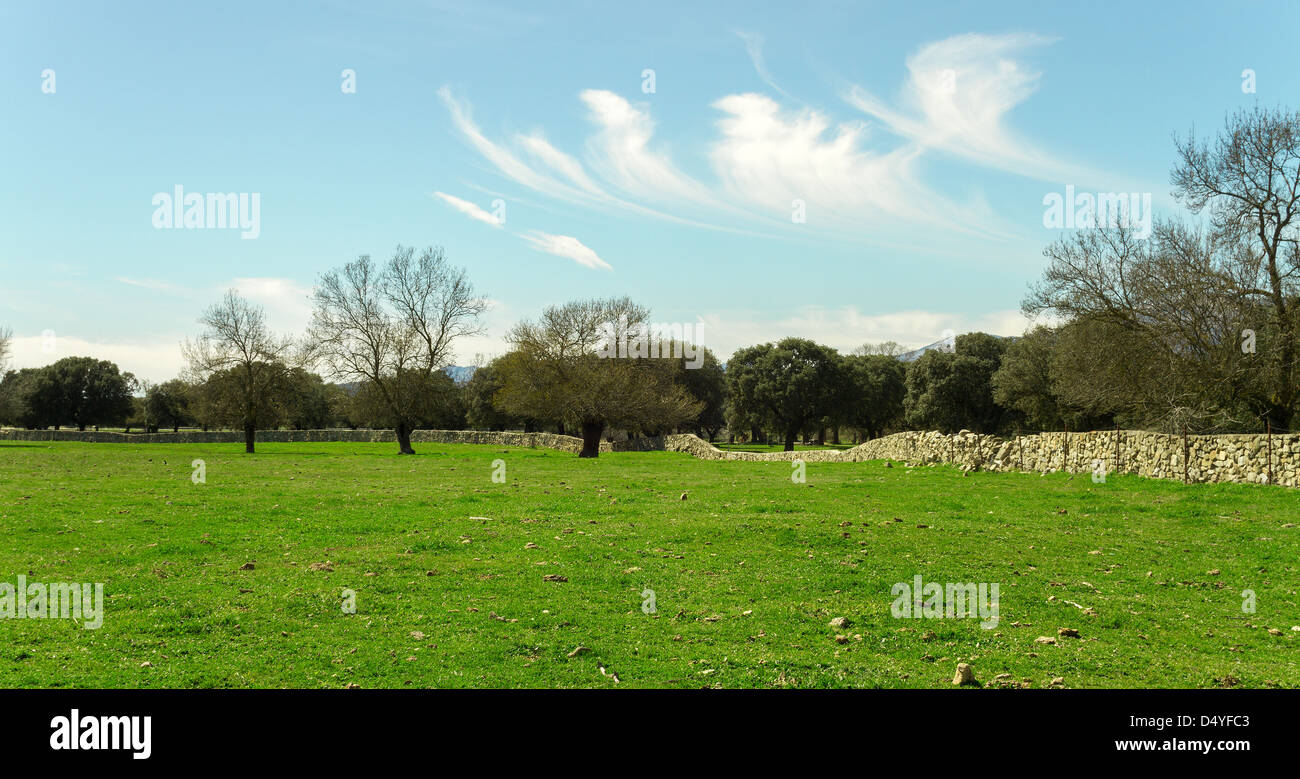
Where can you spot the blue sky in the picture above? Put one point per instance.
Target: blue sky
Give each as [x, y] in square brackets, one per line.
[921, 140]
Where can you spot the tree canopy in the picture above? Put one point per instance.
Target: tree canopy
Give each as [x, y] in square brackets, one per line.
[787, 386]
[557, 370]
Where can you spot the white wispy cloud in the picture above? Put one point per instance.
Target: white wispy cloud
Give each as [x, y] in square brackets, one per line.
[503, 158]
[859, 184]
[574, 184]
[566, 246]
[957, 96]
[562, 163]
[469, 209]
[770, 158]
[157, 285]
[754, 48]
[621, 152]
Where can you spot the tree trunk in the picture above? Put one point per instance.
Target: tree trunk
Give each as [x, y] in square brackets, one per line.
[835, 435]
[404, 438]
[591, 438]
[250, 437]
[790, 436]
[821, 436]
[559, 427]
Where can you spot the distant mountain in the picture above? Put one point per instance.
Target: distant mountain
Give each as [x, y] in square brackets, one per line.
[460, 374]
[943, 344]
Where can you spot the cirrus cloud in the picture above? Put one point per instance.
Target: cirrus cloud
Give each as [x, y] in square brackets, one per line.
[566, 246]
[868, 180]
[469, 209]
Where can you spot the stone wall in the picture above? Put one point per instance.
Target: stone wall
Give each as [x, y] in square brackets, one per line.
[1208, 458]
[563, 443]
[1232, 458]
[532, 440]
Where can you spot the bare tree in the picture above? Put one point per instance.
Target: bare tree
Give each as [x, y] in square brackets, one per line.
[1248, 182]
[243, 362]
[1173, 320]
[6, 339]
[1151, 325]
[887, 348]
[394, 327]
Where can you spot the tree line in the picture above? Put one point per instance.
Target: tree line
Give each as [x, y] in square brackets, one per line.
[1196, 327]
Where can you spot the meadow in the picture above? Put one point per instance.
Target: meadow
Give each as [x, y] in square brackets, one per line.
[544, 578]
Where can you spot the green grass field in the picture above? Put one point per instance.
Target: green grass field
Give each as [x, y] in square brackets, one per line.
[449, 571]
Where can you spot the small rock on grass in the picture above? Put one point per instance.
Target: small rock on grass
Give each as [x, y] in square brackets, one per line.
[1067, 632]
[1045, 640]
[839, 623]
[965, 674]
[554, 577]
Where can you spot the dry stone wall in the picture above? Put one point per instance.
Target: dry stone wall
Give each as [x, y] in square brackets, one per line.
[548, 440]
[1256, 459]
